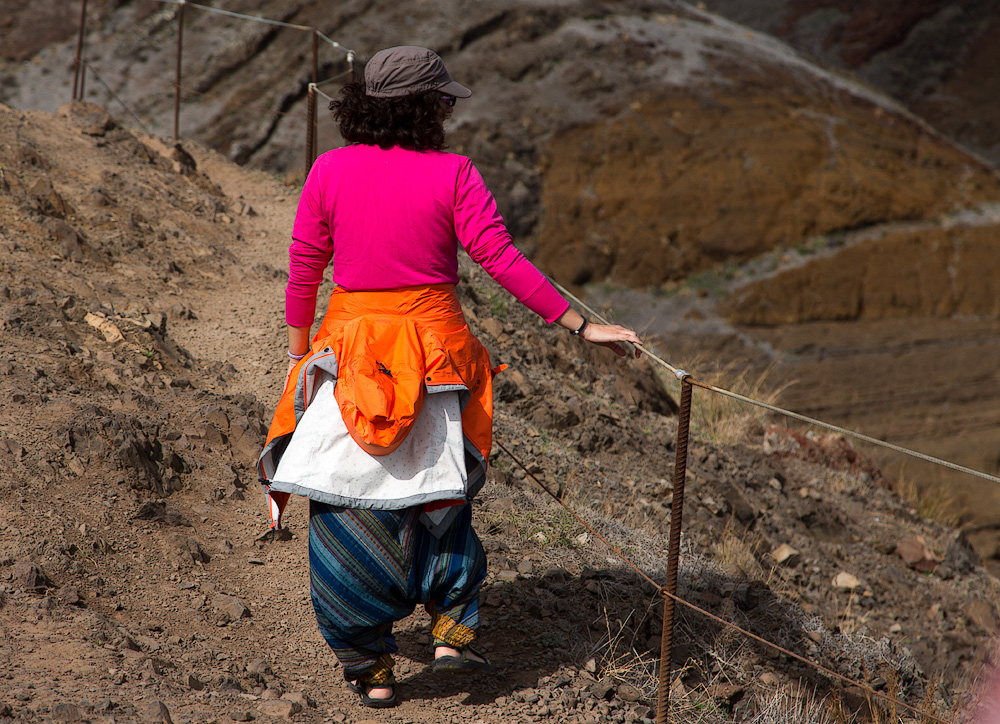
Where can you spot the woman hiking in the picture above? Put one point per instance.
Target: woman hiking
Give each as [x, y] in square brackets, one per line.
[386, 419]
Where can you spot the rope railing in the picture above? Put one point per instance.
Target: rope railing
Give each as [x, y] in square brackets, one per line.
[319, 92]
[233, 14]
[152, 81]
[80, 65]
[679, 373]
[311, 114]
[669, 590]
[672, 597]
[115, 96]
[333, 43]
[332, 78]
[258, 19]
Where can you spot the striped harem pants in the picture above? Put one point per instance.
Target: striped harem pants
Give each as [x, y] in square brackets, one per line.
[370, 568]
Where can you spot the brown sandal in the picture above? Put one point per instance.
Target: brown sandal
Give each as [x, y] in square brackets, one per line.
[462, 663]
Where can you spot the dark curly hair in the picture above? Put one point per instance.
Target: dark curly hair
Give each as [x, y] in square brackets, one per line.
[414, 122]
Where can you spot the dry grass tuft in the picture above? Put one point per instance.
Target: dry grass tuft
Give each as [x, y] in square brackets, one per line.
[792, 705]
[932, 502]
[736, 551]
[722, 419]
[619, 660]
[886, 711]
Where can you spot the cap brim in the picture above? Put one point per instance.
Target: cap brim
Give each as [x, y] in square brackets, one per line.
[451, 88]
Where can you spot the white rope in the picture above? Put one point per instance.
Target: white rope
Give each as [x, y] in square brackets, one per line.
[266, 21]
[331, 79]
[93, 69]
[333, 43]
[852, 433]
[232, 14]
[680, 374]
[600, 318]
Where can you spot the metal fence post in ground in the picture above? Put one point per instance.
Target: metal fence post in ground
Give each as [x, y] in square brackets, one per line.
[310, 127]
[674, 549]
[77, 67]
[177, 75]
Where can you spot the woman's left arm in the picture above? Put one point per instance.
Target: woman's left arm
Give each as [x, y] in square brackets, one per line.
[482, 232]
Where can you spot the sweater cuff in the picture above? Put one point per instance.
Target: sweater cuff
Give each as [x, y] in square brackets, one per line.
[546, 302]
[299, 311]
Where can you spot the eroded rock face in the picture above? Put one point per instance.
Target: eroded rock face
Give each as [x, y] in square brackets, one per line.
[27, 26]
[929, 273]
[936, 57]
[628, 140]
[685, 180]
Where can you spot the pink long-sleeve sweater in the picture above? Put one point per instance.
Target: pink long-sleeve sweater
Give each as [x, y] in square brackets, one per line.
[394, 218]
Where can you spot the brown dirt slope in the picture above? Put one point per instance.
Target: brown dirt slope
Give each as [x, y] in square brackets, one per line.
[140, 351]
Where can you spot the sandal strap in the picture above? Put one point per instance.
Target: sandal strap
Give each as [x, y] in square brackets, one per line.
[480, 654]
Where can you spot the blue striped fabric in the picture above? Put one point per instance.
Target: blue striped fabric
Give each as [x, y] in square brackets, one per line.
[370, 568]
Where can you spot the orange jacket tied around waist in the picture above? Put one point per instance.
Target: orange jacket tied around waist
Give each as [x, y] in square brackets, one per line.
[387, 351]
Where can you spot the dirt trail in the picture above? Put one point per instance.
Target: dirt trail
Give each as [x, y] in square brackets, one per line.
[242, 323]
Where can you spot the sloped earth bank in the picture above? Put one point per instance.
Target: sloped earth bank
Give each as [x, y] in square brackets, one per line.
[888, 330]
[140, 318]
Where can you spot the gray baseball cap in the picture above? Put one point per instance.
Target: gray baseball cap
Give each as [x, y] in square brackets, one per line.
[408, 69]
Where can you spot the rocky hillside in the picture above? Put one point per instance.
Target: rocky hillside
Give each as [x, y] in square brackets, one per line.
[630, 140]
[49, 23]
[140, 320]
[935, 57]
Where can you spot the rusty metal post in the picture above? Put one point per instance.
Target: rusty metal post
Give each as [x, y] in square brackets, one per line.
[177, 74]
[674, 549]
[315, 35]
[77, 68]
[310, 128]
